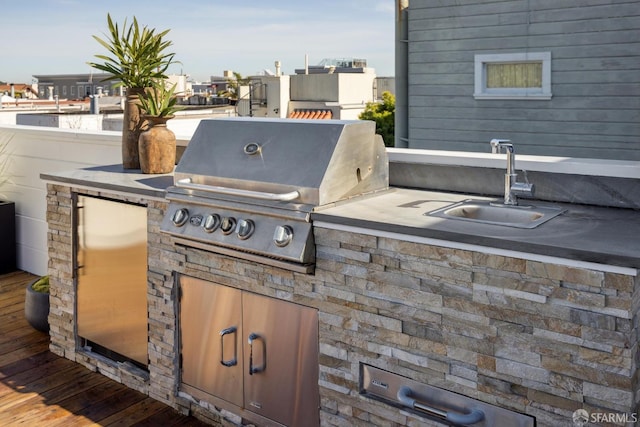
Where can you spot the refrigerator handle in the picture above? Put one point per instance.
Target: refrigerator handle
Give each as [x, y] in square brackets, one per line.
[256, 369]
[234, 361]
[80, 234]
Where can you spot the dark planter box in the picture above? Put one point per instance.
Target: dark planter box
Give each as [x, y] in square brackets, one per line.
[7, 237]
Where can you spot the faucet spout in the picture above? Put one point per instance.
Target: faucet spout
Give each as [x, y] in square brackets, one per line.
[497, 143]
[512, 188]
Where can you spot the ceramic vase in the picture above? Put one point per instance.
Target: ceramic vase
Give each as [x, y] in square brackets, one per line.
[133, 124]
[157, 146]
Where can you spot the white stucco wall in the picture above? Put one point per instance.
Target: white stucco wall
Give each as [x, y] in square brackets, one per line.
[32, 150]
[342, 88]
[35, 150]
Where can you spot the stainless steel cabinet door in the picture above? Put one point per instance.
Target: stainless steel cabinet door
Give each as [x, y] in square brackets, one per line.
[112, 276]
[281, 360]
[211, 330]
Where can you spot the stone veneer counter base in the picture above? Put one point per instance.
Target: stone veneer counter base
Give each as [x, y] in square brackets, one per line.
[541, 336]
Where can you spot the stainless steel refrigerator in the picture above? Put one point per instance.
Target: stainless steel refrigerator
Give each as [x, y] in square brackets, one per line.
[111, 263]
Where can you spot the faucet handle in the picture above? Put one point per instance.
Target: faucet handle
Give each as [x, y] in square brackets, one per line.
[522, 189]
[497, 143]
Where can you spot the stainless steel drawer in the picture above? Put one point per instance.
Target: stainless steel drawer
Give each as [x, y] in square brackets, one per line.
[436, 403]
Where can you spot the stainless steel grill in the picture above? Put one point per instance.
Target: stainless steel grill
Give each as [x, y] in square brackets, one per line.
[246, 187]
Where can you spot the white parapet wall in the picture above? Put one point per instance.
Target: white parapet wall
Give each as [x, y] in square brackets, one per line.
[28, 151]
[560, 165]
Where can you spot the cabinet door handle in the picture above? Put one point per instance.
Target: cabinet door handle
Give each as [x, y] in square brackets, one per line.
[472, 417]
[256, 369]
[234, 361]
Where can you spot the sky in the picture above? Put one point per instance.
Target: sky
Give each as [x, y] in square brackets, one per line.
[209, 36]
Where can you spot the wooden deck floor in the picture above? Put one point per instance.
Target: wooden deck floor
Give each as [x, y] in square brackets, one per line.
[38, 388]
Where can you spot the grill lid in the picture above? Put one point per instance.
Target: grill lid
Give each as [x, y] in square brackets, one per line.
[300, 161]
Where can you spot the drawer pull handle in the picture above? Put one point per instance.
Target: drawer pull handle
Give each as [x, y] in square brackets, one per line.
[253, 369]
[234, 361]
[472, 417]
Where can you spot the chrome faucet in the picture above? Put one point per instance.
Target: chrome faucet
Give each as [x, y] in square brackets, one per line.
[512, 188]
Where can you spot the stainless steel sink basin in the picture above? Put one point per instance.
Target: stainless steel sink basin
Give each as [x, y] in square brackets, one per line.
[487, 212]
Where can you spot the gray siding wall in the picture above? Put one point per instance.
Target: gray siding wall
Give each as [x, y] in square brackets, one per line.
[595, 76]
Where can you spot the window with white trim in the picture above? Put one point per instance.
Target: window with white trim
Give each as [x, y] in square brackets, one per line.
[513, 76]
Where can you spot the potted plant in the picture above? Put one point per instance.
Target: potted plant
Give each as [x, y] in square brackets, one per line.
[137, 56]
[157, 144]
[36, 304]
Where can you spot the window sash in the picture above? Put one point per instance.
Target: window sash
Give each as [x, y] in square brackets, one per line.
[513, 76]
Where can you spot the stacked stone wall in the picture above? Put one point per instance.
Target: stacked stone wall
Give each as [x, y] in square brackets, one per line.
[540, 338]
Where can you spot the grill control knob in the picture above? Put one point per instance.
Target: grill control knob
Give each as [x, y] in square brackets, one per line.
[227, 225]
[245, 228]
[211, 223]
[195, 220]
[283, 235]
[180, 217]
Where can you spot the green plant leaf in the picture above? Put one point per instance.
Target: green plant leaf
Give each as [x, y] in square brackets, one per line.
[159, 100]
[41, 285]
[136, 55]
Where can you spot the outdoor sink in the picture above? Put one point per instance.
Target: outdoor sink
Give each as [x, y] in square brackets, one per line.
[488, 212]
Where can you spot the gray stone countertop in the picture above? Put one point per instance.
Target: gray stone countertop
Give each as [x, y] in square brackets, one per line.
[608, 236]
[116, 179]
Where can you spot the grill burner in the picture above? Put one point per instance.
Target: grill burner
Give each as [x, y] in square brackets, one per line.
[247, 187]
